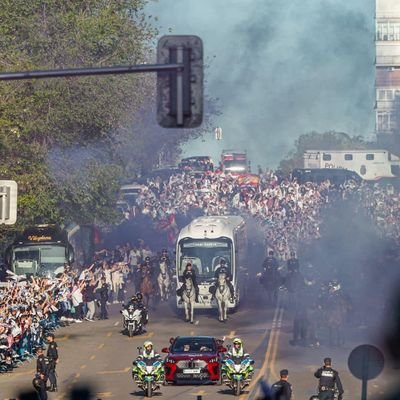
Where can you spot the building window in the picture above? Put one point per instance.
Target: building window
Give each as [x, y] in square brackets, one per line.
[388, 31]
[348, 157]
[326, 157]
[369, 157]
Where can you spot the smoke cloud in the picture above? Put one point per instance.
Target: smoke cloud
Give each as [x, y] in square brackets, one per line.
[280, 69]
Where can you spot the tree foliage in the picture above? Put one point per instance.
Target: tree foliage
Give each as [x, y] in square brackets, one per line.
[40, 117]
[330, 140]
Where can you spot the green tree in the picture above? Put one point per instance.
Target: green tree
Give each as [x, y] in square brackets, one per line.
[39, 117]
[331, 140]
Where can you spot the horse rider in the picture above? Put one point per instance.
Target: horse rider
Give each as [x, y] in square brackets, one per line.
[189, 273]
[270, 262]
[329, 381]
[222, 269]
[148, 352]
[270, 275]
[164, 254]
[293, 263]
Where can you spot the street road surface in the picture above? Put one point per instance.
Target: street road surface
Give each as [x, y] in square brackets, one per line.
[96, 353]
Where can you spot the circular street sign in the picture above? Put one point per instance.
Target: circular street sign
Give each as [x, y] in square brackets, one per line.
[366, 362]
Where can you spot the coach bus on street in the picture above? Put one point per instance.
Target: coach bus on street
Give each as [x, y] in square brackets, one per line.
[204, 242]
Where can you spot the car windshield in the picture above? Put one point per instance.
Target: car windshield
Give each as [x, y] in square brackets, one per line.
[193, 344]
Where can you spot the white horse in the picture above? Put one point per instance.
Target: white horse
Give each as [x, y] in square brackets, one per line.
[189, 297]
[164, 282]
[222, 296]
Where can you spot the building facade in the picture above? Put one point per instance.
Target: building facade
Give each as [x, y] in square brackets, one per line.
[387, 83]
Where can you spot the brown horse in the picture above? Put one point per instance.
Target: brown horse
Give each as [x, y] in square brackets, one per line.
[146, 287]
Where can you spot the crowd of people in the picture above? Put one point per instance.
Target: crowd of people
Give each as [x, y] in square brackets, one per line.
[32, 307]
[289, 212]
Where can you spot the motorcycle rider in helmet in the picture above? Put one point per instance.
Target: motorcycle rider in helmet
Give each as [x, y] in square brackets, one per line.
[237, 350]
[148, 352]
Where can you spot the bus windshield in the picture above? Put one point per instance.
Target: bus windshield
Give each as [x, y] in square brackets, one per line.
[38, 258]
[205, 255]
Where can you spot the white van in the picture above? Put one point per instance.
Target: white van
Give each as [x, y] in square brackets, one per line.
[368, 164]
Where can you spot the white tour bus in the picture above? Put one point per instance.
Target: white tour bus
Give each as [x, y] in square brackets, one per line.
[204, 242]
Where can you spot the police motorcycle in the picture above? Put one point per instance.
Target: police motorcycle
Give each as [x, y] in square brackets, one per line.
[148, 372]
[134, 317]
[237, 372]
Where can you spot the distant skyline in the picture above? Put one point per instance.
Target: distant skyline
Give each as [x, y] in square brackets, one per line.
[280, 69]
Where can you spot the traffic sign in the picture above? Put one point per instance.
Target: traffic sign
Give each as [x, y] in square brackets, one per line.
[365, 362]
[8, 202]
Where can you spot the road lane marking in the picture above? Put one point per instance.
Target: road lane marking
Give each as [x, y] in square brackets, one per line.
[148, 336]
[104, 394]
[77, 375]
[276, 345]
[192, 333]
[199, 393]
[231, 334]
[117, 323]
[109, 334]
[63, 338]
[83, 366]
[276, 325]
[119, 371]
[92, 357]
[100, 346]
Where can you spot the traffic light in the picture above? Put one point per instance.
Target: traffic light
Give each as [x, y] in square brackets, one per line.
[8, 202]
[180, 93]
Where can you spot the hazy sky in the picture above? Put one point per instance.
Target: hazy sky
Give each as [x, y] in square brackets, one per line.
[280, 68]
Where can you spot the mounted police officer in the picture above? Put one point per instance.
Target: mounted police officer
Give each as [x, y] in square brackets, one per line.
[329, 381]
[270, 262]
[219, 270]
[282, 390]
[52, 355]
[189, 273]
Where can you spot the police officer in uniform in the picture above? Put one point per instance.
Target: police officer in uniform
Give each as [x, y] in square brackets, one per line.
[102, 292]
[282, 390]
[329, 381]
[52, 355]
[223, 269]
[39, 383]
[42, 362]
[270, 262]
[293, 263]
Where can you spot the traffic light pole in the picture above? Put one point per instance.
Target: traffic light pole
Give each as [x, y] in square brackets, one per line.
[61, 73]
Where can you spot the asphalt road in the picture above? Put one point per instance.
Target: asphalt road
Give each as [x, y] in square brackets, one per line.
[97, 354]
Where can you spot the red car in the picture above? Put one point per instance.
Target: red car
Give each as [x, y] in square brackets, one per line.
[193, 359]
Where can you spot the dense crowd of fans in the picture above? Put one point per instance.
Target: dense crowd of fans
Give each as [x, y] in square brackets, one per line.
[31, 308]
[290, 213]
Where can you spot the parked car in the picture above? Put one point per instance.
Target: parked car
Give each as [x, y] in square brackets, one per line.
[193, 359]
